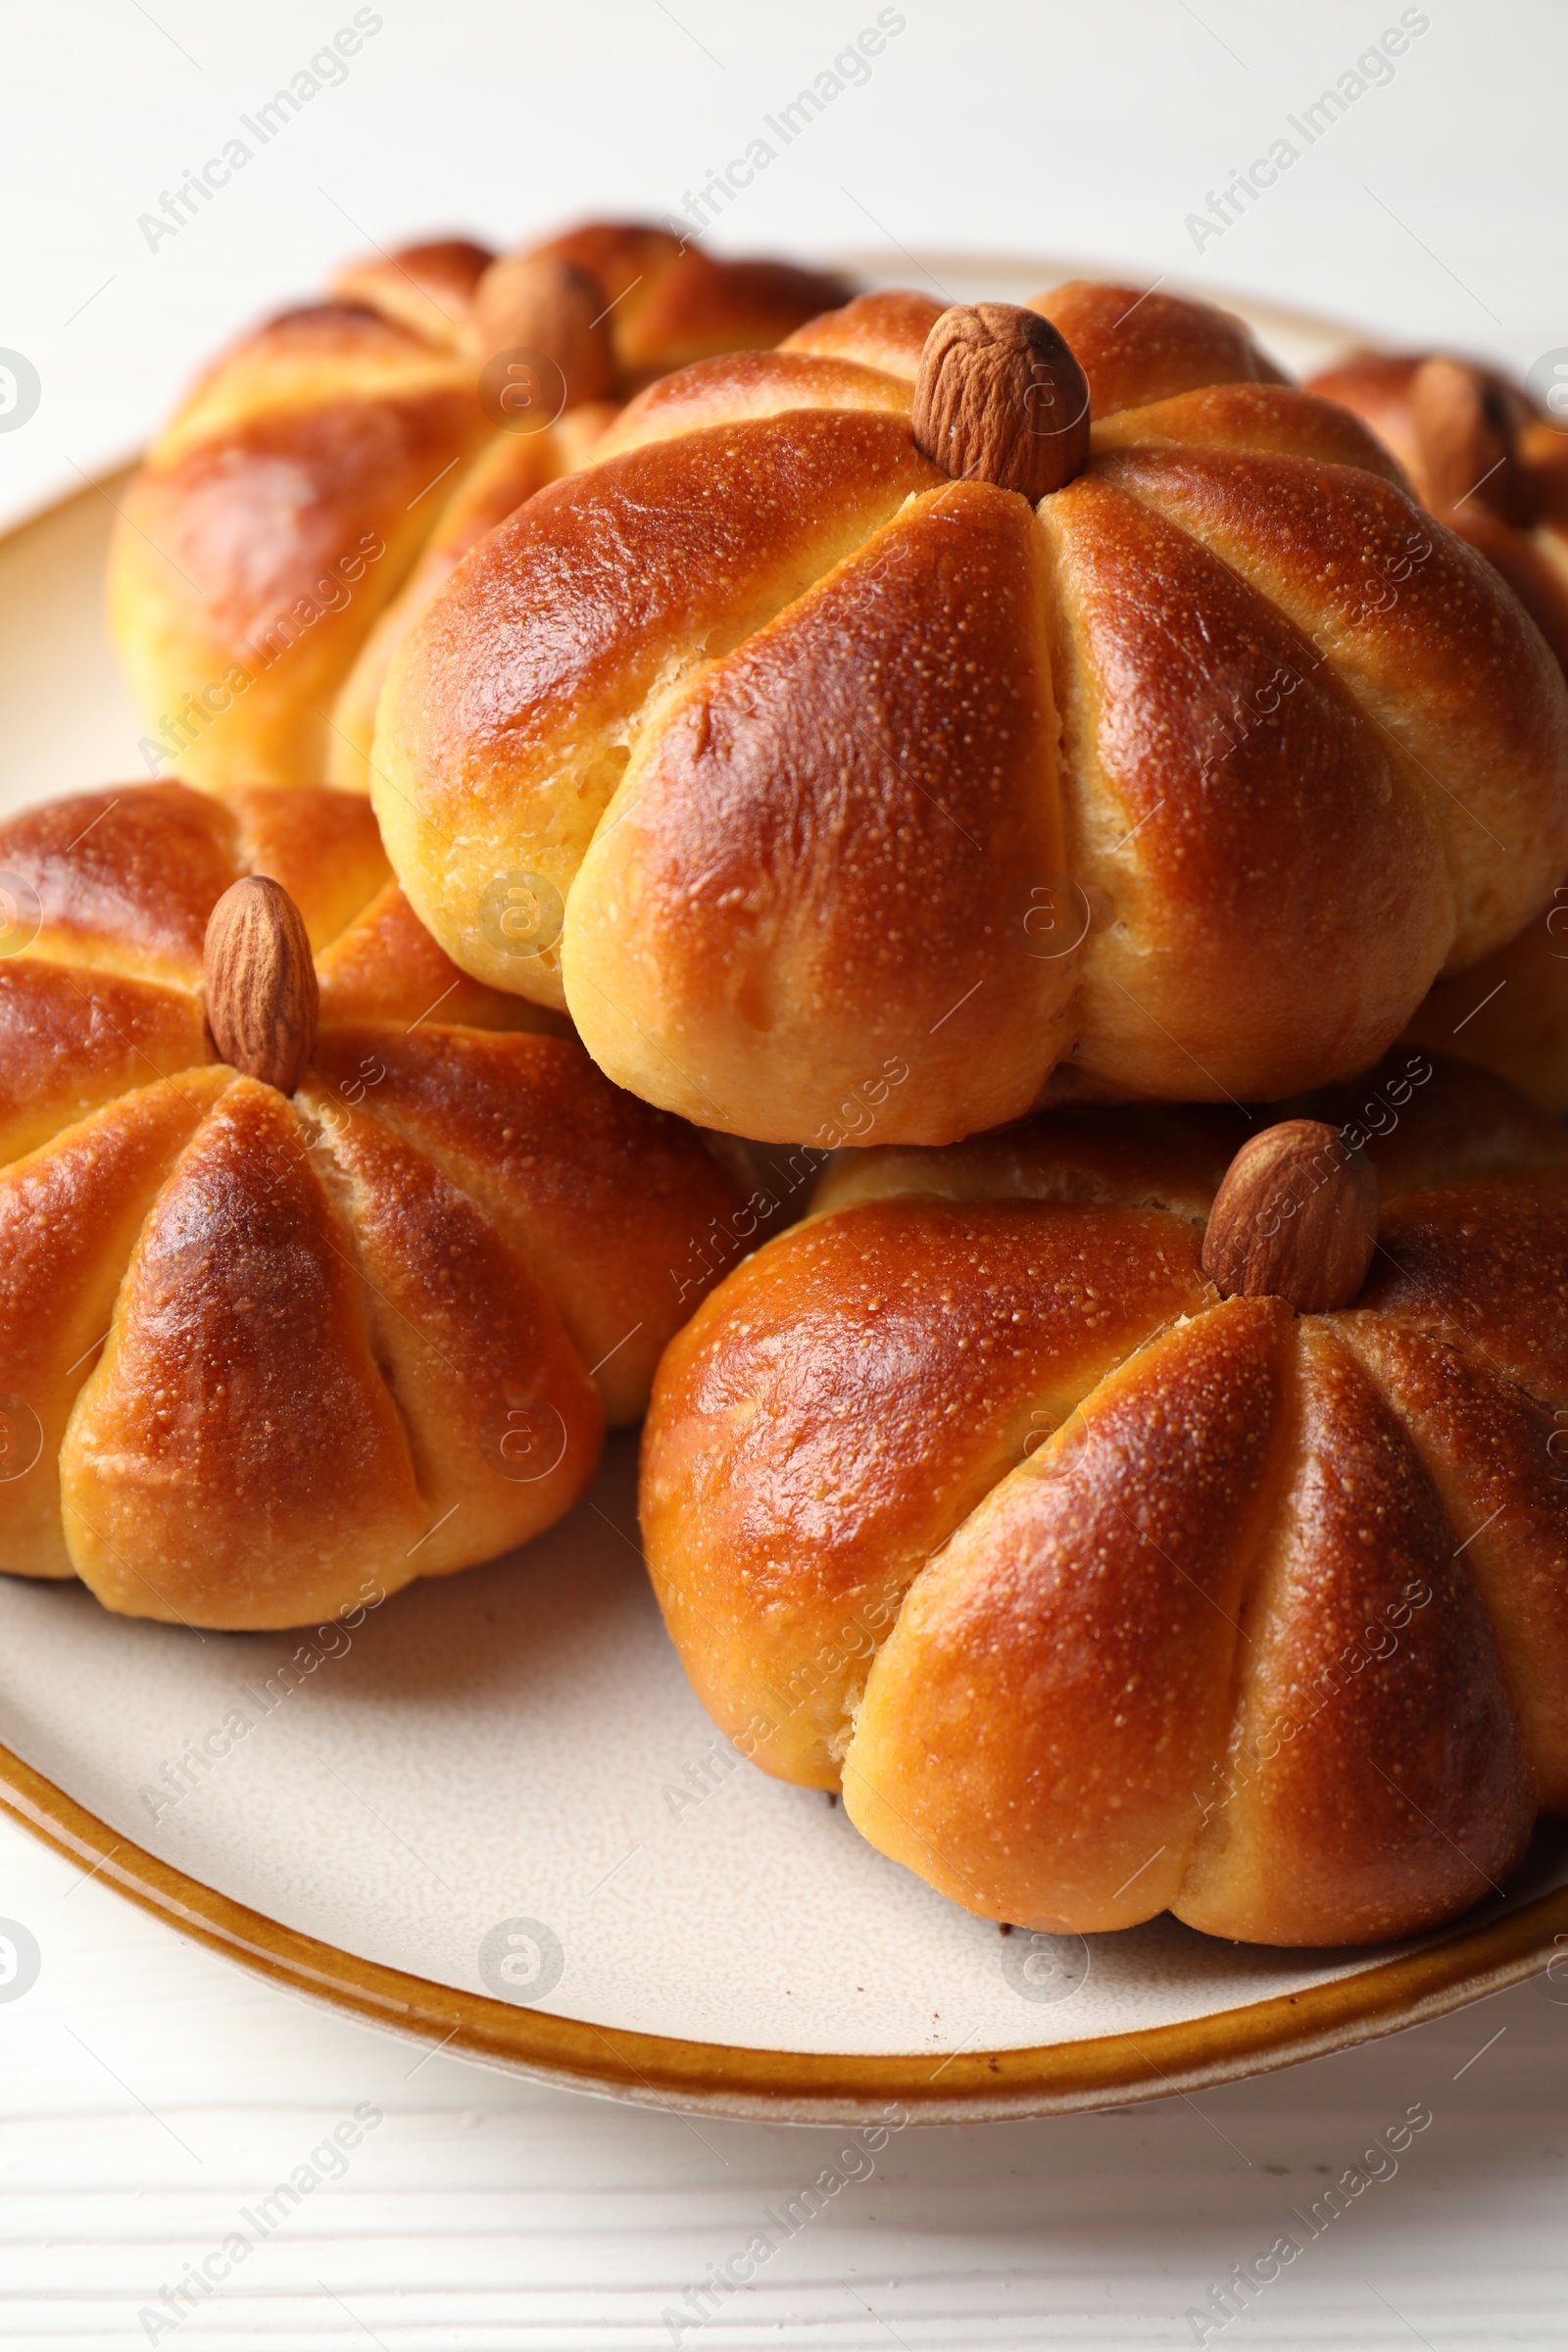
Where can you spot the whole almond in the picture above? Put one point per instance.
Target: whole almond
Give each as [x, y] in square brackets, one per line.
[1000, 398]
[1465, 425]
[536, 303]
[1296, 1218]
[259, 983]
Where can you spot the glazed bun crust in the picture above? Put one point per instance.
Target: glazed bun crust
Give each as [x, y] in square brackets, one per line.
[543, 662]
[1192, 778]
[1509, 500]
[840, 918]
[1513, 505]
[273, 521]
[874, 1426]
[271, 549]
[271, 1355]
[1099, 1596]
[429, 288]
[1137, 347]
[508, 470]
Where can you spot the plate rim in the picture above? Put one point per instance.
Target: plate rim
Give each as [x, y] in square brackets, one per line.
[804, 2087]
[800, 2087]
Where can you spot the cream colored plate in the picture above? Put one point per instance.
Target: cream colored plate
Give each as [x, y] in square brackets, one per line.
[498, 1817]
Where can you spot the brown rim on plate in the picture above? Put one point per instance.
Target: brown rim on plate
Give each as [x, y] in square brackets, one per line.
[804, 2087]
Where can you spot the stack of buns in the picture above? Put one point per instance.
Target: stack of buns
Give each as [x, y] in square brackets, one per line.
[326, 1265]
[326, 471]
[1040, 744]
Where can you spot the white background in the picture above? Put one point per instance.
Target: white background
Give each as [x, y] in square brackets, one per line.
[1433, 211]
[147, 2090]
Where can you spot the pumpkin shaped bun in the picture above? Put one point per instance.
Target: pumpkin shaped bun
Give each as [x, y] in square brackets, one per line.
[324, 474]
[981, 691]
[1132, 1513]
[310, 1272]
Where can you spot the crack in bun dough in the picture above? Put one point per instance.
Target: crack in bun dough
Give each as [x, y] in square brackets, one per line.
[1191, 779]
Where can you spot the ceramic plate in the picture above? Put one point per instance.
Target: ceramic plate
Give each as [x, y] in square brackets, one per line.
[494, 1816]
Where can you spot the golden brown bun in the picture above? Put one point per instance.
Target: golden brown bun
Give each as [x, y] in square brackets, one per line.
[269, 556]
[1102, 1596]
[1516, 509]
[272, 1358]
[1510, 1011]
[508, 470]
[1194, 777]
[429, 289]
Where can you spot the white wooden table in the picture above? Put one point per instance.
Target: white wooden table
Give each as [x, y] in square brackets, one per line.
[149, 2095]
